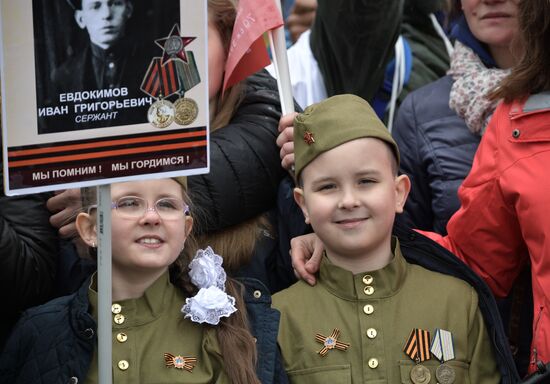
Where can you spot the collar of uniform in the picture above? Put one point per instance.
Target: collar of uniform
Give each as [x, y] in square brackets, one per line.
[141, 310]
[113, 53]
[385, 282]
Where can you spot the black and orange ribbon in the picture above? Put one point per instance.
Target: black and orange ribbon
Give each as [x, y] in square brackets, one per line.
[331, 342]
[161, 80]
[418, 345]
[180, 362]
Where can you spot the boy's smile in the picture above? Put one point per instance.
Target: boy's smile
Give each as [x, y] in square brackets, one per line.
[351, 223]
[350, 196]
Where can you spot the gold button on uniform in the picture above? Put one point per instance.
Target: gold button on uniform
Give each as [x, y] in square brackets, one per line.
[257, 294]
[121, 337]
[371, 333]
[119, 319]
[123, 365]
[373, 363]
[368, 309]
[369, 290]
[368, 279]
[116, 308]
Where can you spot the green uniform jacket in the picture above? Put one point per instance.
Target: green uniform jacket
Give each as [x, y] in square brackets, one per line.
[145, 329]
[375, 313]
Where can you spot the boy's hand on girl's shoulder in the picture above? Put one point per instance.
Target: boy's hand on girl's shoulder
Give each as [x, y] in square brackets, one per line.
[64, 206]
[285, 140]
[306, 252]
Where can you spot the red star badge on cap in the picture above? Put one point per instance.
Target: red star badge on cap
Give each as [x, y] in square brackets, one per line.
[173, 45]
[308, 138]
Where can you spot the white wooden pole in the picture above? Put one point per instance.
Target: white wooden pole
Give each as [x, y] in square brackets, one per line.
[104, 286]
[277, 44]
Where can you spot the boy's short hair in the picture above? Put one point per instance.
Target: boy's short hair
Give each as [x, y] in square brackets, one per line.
[335, 121]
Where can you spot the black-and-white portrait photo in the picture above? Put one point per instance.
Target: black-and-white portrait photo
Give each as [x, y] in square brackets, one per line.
[91, 57]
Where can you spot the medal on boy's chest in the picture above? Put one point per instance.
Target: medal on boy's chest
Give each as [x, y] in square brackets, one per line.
[418, 350]
[442, 348]
[330, 342]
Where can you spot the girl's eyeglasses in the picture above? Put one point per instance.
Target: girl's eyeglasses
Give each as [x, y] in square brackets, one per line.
[168, 208]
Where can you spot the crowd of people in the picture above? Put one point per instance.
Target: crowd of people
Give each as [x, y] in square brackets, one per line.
[390, 246]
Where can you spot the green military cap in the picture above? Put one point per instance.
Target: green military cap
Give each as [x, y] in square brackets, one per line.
[333, 122]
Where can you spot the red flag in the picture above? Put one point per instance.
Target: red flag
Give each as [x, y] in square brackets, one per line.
[247, 52]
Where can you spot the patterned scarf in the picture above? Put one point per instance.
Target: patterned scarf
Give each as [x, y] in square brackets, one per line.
[472, 82]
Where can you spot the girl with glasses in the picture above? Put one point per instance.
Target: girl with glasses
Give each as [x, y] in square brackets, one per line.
[175, 318]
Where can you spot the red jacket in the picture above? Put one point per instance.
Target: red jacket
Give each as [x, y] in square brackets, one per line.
[504, 216]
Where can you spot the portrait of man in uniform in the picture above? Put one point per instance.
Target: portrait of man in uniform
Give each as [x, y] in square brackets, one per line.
[101, 65]
[94, 80]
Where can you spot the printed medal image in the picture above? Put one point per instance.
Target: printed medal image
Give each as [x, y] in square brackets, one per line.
[173, 45]
[161, 113]
[186, 111]
[174, 73]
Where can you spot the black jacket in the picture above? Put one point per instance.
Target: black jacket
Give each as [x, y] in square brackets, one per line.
[353, 41]
[28, 255]
[437, 150]
[245, 168]
[54, 343]
[418, 249]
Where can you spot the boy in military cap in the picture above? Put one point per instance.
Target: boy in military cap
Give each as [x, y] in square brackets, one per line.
[372, 317]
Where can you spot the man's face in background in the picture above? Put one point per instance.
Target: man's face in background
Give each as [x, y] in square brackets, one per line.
[105, 20]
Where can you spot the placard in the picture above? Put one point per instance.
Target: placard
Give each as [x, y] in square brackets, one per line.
[102, 91]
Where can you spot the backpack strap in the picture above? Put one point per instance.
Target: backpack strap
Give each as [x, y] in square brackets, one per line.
[401, 71]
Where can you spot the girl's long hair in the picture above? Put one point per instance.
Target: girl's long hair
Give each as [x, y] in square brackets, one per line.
[236, 243]
[237, 345]
[532, 73]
